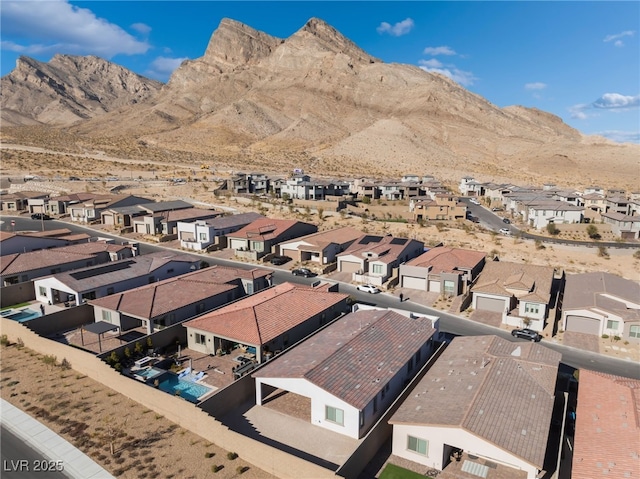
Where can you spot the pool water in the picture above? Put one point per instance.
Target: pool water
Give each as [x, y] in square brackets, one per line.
[149, 373]
[21, 315]
[188, 390]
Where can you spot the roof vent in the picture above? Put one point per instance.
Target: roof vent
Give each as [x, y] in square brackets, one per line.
[524, 432]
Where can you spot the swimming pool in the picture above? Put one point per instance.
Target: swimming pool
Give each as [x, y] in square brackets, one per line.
[189, 390]
[20, 315]
[149, 373]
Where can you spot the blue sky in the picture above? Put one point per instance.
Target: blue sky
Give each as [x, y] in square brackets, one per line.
[577, 60]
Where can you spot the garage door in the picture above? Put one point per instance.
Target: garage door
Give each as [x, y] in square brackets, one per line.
[490, 304]
[107, 219]
[350, 266]
[434, 286]
[580, 324]
[414, 283]
[291, 253]
[140, 228]
[237, 243]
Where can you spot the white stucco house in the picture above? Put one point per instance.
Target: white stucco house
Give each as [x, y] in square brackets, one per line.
[199, 235]
[540, 213]
[352, 370]
[485, 399]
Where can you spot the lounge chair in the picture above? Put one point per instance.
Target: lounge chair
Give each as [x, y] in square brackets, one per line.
[184, 373]
[199, 376]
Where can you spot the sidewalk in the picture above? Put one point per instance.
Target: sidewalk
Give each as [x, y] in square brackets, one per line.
[77, 465]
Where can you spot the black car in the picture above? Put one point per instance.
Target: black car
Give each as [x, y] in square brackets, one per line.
[506, 221]
[40, 216]
[526, 333]
[278, 260]
[307, 273]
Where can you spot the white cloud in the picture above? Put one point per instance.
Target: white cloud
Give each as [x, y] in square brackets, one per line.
[398, 29]
[60, 27]
[578, 111]
[141, 28]
[535, 86]
[621, 136]
[451, 71]
[618, 36]
[443, 50]
[433, 63]
[162, 67]
[616, 101]
[618, 43]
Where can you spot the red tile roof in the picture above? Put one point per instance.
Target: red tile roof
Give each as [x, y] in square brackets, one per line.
[444, 259]
[268, 314]
[607, 433]
[263, 229]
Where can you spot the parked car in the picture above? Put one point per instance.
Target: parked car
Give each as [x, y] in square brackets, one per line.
[368, 288]
[497, 209]
[40, 216]
[307, 273]
[506, 221]
[473, 219]
[474, 201]
[278, 260]
[526, 333]
[505, 231]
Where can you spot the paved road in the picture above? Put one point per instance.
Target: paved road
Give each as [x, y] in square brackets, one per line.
[449, 323]
[19, 461]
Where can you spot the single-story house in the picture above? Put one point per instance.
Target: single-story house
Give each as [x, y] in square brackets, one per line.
[353, 369]
[444, 270]
[19, 201]
[266, 322]
[90, 210]
[624, 226]
[76, 287]
[157, 306]
[200, 234]
[321, 247]
[259, 237]
[520, 293]
[485, 398]
[607, 431]
[58, 205]
[602, 303]
[22, 267]
[25, 241]
[372, 259]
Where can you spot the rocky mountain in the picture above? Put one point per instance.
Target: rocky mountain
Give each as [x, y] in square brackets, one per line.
[316, 100]
[68, 89]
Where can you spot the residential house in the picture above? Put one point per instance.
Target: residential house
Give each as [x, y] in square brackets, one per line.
[449, 271]
[90, 210]
[541, 213]
[624, 226]
[301, 187]
[166, 222]
[58, 205]
[411, 178]
[496, 191]
[22, 267]
[352, 370]
[594, 205]
[201, 234]
[602, 303]
[373, 259]
[267, 322]
[258, 238]
[486, 397]
[470, 187]
[76, 287]
[19, 201]
[520, 293]
[25, 241]
[607, 430]
[437, 207]
[125, 216]
[321, 247]
[617, 204]
[364, 188]
[247, 183]
[157, 306]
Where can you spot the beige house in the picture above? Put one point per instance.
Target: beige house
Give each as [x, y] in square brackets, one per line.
[321, 247]
[485, 399]
[439, 207]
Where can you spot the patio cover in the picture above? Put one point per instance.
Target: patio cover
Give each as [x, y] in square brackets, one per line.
[98, 328]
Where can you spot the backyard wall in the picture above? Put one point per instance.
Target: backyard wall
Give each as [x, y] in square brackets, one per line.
[179, 411]
[164, 338]
[17, 293]
[228, 398]
[64, 320]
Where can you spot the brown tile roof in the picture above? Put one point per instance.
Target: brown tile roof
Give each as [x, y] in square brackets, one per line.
[267, 314]
[387, 248]
[264, 229]
[320, 240]
[604, 292]
[23, 195]
[21, 262]
[159, 298]
[503, 278]
[607, 434]
[80, 197]
[188, 214]
[443, 259]
[496, 389]
[356, 356]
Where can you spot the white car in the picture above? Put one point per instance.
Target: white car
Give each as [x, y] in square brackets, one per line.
[368, 288]
[505, 231]
[474, 201]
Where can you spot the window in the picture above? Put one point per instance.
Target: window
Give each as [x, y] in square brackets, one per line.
[42, 291]
[249, 288]
[377, 269]
[200, 338]
[106, 316]
[203, 236]
[110, 290]
[611, 324]
[449, 288]
[634, 331]
[418, 445]
[333, 414]
[531, 308]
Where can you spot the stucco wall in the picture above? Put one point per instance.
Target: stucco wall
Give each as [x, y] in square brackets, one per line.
[17, 293]
[61, 320]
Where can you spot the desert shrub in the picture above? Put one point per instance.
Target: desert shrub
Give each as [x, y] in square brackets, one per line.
[4, 340]
[65, 364]
[552, 229]
[540, 245]
[19, 343]
[209, 454]
[241, 469]
[216, 467]
[602, 252]
[232, 455]
[605, 336]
